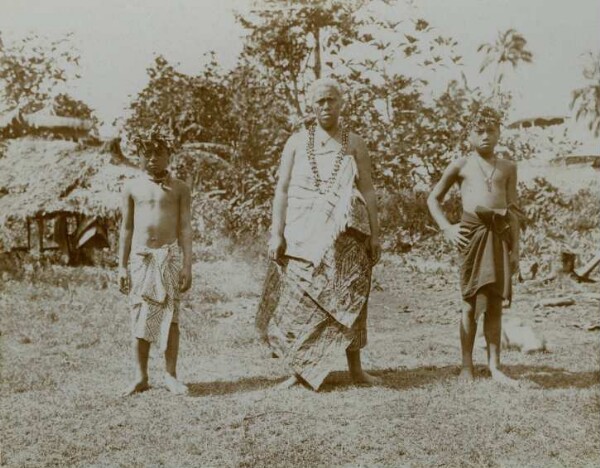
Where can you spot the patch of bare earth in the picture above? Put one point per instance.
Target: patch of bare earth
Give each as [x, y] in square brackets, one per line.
[65, 358]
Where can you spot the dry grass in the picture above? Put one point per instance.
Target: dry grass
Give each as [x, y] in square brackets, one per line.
[65, 353]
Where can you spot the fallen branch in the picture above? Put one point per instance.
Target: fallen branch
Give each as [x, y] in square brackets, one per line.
[555, 302]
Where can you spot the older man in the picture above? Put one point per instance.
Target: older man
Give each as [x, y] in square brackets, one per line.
[324, 242]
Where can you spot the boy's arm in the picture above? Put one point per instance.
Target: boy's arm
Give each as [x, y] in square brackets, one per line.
[513, 207]
[185, 237]
[277, 241]
[439, 191]
[125, 236]
[365, 186]
[436, 197]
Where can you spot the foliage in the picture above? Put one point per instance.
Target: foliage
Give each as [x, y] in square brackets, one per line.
[586, 100]
[508, 49]
[230, 127]
[542, 143]
[288, 41]
[34, 70]
[193, 107]
[65, 105]
[556, 221]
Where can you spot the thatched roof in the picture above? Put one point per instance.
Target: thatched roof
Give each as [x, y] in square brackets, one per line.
[40, 177]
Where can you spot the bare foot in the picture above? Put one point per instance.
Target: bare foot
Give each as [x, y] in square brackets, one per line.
[503, 379]
[466, 375]
[138, 386]
[288, 383]
[365, 379]
[174, 385]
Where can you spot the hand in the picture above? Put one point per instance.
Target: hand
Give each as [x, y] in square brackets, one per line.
[277, 248]
[514, 262]
[374, 250]
[123, 280]
[455, 234]
[185, 279]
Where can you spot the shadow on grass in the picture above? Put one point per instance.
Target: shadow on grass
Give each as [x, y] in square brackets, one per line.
[398, 379]
[235, 386]
[401, 379]
[551, 377]
[545, 376]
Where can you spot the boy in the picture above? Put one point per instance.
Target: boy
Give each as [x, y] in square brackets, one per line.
[487, 236]
[156, 217]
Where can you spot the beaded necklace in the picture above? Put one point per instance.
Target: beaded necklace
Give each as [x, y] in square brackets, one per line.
[324, 186]
[488, 179]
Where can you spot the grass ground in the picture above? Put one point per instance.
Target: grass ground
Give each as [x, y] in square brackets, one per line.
[65, 357]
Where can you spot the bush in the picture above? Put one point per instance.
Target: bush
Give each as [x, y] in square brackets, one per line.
[405, 219]
[558, 222]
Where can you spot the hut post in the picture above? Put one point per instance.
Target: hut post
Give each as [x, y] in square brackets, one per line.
[28, 234]
[40, 223]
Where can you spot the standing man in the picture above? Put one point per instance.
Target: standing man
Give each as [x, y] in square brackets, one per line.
[324, 243]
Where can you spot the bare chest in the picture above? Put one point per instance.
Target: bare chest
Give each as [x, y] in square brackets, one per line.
[482, 175]
[153, 196]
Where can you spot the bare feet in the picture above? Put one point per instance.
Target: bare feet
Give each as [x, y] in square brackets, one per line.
[503, 379]
[138, 386]
[365, 379]
[174, 385]
[466, 375]
[288, 383]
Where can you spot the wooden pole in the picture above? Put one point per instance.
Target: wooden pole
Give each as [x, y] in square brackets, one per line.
[586, 269]
[40, 224]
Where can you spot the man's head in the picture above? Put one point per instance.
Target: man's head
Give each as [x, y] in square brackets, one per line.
[154, 150]
[484, 129]
[326, 99]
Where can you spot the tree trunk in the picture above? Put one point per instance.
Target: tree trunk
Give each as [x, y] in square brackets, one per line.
[317, 63]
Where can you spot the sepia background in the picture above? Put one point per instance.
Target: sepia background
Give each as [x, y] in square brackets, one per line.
[228, 80]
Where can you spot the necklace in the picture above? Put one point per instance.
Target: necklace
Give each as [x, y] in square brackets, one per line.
[486, 178]
[324, 186]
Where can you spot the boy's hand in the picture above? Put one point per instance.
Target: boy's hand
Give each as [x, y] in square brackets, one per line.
[514, 262]
[123, 279]
[185, 279]
[277, 247]
[374, 250]
[455, 235]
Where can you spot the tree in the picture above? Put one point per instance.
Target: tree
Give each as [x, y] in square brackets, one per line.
[34, 72]
[292, 41]
[194, 108]
[259, 103]
[509, 49]
[586, 100]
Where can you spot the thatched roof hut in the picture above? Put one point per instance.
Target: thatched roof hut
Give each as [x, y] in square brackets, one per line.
[41, 178]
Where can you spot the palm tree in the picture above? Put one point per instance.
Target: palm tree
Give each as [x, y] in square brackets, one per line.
[587, 99]
[509, 49]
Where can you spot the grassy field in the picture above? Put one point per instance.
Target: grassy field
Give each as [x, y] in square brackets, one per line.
[65, 357]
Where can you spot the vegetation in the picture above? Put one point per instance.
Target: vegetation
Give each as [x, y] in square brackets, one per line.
[586, 100]
[34, 74]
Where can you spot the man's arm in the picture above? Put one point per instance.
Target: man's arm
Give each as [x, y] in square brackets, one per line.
[185, 236]
[513, 205]
[434, 202]
[365, 186]
[277, 241]
[125, 236]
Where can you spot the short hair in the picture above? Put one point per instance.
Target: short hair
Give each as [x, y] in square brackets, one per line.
[153, 138]
[484, 116]
[324, 83]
